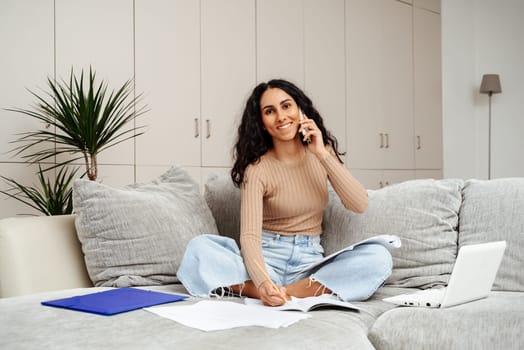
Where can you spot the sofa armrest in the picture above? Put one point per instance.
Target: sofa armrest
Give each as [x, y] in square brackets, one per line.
[40, 254]
[494, 322]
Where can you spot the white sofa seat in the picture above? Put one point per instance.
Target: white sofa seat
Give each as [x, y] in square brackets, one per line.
[40, 254]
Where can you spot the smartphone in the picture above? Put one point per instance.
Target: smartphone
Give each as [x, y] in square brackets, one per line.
[304, 130]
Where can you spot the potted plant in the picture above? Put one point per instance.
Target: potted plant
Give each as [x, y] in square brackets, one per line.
[49, 199]
[80, 119]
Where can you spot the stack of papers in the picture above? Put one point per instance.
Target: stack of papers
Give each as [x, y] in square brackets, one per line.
[216, 315]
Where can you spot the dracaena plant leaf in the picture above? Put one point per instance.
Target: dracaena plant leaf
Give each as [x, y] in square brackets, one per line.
[49, 198]
[81, 118]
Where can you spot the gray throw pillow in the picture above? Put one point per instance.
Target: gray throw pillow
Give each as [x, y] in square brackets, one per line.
[423, 213]
[137, 235]
[493, 211]
[223, 198]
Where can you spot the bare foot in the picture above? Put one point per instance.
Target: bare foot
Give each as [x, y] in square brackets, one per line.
[248, 289]
[306, 288]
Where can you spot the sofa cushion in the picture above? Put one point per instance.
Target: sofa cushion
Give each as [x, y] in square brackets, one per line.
[223, 198]
[423, 213]
[137, 235]
[491, 211]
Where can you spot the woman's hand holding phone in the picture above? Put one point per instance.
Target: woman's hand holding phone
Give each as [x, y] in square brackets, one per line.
[303, 130]
[312, 136]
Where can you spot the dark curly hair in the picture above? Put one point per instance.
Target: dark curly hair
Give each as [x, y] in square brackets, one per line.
[253, 141]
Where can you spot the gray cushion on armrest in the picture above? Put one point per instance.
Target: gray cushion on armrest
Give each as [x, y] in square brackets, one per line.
[223, 198]
[491, 211]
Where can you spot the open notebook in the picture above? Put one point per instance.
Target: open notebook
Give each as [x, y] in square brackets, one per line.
[323, 301]
[471, 279]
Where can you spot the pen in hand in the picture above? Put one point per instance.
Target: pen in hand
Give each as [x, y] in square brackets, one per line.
[285, 297]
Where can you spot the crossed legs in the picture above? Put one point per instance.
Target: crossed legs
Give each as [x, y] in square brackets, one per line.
[352, 275]
[303, 288]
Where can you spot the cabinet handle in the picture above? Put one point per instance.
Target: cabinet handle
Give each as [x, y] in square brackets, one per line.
[381, 140]
[419, 146]
[380, 184]
[387, 183]
[197, 133]
[387, 140]
[208, 128]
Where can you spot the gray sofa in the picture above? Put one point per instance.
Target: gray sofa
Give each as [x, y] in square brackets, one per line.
[43, 258]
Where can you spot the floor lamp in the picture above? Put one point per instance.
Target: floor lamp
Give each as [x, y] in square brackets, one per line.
[490, 85]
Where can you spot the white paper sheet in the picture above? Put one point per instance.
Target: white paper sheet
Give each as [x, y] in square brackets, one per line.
[213, 315]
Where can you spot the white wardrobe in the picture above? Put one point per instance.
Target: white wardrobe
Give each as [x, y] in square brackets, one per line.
[372, 68]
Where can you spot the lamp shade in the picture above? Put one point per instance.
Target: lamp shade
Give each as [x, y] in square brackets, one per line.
[490, 84]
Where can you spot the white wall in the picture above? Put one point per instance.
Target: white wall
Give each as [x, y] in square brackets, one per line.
[479, 37]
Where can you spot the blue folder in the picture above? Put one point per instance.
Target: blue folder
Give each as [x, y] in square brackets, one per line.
[114, 301]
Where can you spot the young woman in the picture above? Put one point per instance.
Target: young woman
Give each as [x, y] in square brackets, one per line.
[284, 158]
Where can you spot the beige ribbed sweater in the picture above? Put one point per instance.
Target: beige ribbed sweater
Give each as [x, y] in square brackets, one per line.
[289, 199]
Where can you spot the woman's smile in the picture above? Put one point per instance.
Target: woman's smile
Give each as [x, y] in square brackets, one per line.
[285, 126]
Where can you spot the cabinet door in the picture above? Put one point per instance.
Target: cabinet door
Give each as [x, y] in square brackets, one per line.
[280, 41]
[428, 174]
[147, 173]
[370, 179]
[390, 177]
[228, 74]
[324, 63]
[397, 84]
[26, 28]
[380, 84]
[428, 90]
[431, 5]
[116, 175]
[365, 115]
[167, 56]
[377, 179]
[97, 34]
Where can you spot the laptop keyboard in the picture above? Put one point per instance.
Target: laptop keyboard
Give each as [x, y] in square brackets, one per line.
[433, 296]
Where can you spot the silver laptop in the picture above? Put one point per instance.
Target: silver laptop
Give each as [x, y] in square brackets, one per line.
[472, 278]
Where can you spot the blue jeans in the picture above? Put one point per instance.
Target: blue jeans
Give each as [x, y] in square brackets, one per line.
[212, 261]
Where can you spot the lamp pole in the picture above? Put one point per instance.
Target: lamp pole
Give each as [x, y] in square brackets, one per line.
[490, 85]
[489, 136]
